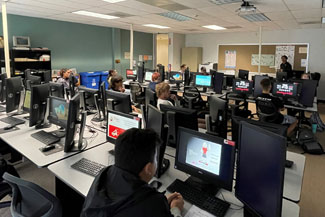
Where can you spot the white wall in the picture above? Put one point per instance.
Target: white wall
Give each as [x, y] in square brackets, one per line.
[315, 38]
[177, 42]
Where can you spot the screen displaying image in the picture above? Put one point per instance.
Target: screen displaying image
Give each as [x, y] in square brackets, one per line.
[204, 154]
[22, 41]
[178, 77]
[117, 124]
[27, 99]
[242, 85]
[285, 89]
[203, 80]
[59, 110]
[131, 72]
[148, 76]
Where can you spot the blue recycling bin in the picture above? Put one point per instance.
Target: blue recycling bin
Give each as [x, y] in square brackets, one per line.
[90, 79]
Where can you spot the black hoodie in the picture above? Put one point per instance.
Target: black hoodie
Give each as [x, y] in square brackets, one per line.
[118, 193]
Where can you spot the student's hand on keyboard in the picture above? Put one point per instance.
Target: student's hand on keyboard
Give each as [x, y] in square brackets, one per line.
[176, 201]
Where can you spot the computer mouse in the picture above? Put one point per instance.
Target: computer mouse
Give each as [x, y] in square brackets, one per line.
[9, 127]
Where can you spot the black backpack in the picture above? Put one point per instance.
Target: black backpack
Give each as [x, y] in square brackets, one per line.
[309, 143]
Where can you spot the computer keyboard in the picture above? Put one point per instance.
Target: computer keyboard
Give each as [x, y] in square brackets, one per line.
[200, 199]
[12, 121]
[45, 137]
[87, 166]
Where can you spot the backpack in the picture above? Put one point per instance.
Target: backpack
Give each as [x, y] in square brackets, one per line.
[315, 119]
[309, 143]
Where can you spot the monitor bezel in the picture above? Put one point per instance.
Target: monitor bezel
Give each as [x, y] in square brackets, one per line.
[175, 81]
[54, 121]
[195, 77]
[285, 96]
[242, 92]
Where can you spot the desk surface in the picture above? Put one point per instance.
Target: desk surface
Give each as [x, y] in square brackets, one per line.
[23, 143]
[71, 177]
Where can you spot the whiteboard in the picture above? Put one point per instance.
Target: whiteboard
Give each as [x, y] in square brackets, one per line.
[266, 60]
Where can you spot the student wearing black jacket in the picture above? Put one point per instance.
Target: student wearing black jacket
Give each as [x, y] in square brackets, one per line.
[122, 190]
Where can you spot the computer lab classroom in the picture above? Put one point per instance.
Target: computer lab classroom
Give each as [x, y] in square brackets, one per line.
[162, 108]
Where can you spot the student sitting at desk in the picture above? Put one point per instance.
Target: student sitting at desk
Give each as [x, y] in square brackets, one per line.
[155, 80]
[116, 84]
[203, 71]
[163, 95]
[64, 75]
[111, 74]
[282, 119]
[122, 190]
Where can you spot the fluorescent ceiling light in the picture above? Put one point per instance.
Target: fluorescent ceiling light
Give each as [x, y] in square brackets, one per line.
[255, 17]
[113, 1]
[176, 16]
[156, 26]
[323, 20]
[97, 15]
[222, 2]
[214, 27]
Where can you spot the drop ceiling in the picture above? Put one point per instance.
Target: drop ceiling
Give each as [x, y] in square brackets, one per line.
[283, 14]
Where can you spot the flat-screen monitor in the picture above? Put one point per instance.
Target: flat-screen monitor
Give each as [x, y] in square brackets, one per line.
[217, 81]
[38, 101]
[56, 89]
[285, 90]
[203, 80]
[32, 80]
[241, 86]
[21, 41]
[175, 77]
[260, 171]
[257, 84]
[148, 76]
[118, 122]
[47, 76]
[140, 72]
[243, 74]
[131, 74]
[208, 158]
[281, 76]
[90, 95]
[59, 110]
[178, 117]
[27, 101]
[121, 101]
[3, 77]
[14, 87]
[308, 92]
[228, 80]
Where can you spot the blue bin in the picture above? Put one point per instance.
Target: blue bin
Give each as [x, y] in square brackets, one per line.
[90, 79]
[103, 77]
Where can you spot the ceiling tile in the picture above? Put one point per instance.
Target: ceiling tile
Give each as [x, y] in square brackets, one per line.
[217, 11]
[307, 13]
[142, 6]
[279, 15]
[303, 4]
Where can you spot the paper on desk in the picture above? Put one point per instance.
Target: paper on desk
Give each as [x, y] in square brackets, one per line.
[194, 211]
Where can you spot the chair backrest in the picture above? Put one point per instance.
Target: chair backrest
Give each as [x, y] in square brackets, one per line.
[266, 110]
[191, 97]
[151, 98]
[217, 123]
[316, 76]
[30, 200]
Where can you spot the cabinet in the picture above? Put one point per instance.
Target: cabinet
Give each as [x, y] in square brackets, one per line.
[192, 57]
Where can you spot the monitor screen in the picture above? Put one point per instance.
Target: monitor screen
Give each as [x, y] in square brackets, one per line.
[242, 86]
[118, 122]
[27, 100]
[260, 170]
[203, 80]
[206, 157]
[148, 76]
[59, 110]
[175, 77]
[287, 90]
[131, 72]
[21, 41]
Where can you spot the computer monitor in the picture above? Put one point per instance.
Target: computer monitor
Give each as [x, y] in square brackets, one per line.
[228, 80]
[217, 81]
[278, 129]
[260, 171]
[187, 78]
[243, 87]
[281, 76]
[203, 80]
[257, 84]
[161, 70]
[118, 122]
[58, 111]
[140, 72]
[120, 101]
[176, 117]
[38, 102]
[308, 92]
[208, 159]
[46, 76]
[3, 77]
[56, 89]
[131, 74]
[32, 80]
[14, 96]
[91, 98]
[27, 101]
[148, 76]
[243, 74]
[175, 77]
[285, 90]
[155, 121]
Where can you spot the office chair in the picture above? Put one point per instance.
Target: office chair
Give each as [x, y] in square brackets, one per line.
[136, 93]
[266, 110]
[192, 98]
[30, 200]
[216, 120]
[150, 98]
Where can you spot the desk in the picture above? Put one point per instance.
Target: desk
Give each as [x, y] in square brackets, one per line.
[71, 177]
[22, 142]
[292, 178]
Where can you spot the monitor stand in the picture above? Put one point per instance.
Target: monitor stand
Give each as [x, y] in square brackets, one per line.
[202, 186]
[45, 123]
[178, 86]
[99, 117]
[82, 143]
[59, 133]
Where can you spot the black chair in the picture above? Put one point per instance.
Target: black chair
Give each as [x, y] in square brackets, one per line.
[30, 200]
[192, 98]
[266, 110]
[150, 98]
[216, 120]
[136, 93]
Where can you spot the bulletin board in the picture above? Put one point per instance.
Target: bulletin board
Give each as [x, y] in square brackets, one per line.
[246, 57]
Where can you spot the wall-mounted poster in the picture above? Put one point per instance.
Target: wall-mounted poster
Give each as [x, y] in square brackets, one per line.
[230, 59]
